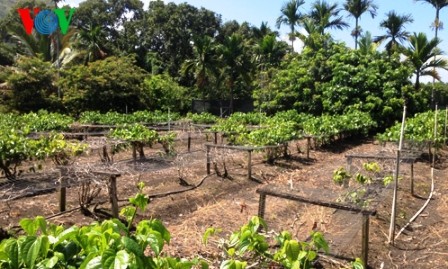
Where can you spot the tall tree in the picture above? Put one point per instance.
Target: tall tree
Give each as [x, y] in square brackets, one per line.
[263, 30]
[438, 5]
[394, 25]
[168, 29]
[366, 44]
[356, 8]
[235, 64]
[269, 52]
[437, 24]
[291, 16]
[203, 65]
[91, 40]
[312, 39]
[326, 16]
[425, 57]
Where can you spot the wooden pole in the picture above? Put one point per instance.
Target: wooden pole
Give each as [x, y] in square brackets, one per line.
[261, 205]
[308, 145]
[365, 240]
[349, 164]
[216, 137]
[113, 195]
[62, 195]
[189, 141]
[412, 178]
[208, 159]
[63, 189]
[396, 173]
[249, 164]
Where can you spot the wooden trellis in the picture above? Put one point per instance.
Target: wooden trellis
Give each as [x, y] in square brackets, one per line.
[288, 194]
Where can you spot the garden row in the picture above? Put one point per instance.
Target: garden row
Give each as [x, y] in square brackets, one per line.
[247, 129]
[125, 244]
[420, 129]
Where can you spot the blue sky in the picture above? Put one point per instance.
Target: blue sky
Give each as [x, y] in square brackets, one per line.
[257, 11]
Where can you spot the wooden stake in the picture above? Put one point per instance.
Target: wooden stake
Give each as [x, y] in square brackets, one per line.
[249, 164]
[208, 159]
[62, 196]
[396, 173]
[189, 141]
[365, 240]
[113, 195]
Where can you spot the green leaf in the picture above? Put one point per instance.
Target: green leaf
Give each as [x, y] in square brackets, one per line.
[13, 253]
[209, 232]
[155, 241]
[91, 262]
[357, 264]
[51, 262]
[108, 259]
[158, 226]
[68, 234]
[320, 242]
[132, 246]
[30, 249]
[121, 260]
[292, 250]
[41, 223]
[29, 226]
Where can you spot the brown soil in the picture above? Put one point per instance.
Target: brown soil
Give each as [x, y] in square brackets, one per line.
[228, 203]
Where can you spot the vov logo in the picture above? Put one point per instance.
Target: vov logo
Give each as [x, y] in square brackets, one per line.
[45, 21]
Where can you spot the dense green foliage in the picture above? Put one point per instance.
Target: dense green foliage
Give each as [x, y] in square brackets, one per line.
[115, 118]
[119, 56]
[109, 244]
[32, 85]
[202, 118]
[164, 93]
[113, 244]
[114, 83]
[289, 125]
[419, 128]
[16, 146]
[337, 80]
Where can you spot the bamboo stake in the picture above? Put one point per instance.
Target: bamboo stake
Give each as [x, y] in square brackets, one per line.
[432, 183]
[396, 173]
[446, 116]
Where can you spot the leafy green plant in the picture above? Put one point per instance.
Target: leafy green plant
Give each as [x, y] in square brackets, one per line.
[357, 195]
[419, 129]
[295, 254]
[135, 132]
[341, 176]
[202, 118]
[248, 245]
[109, 244]
[167, 142]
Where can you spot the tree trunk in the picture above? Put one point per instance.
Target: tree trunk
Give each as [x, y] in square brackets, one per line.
[356, 33]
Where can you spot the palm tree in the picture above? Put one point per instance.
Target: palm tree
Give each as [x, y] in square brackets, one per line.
[437, 24]
[263, 30]
[395, 30]
[424, 56]
[91, 40]
[322, 14]
[234, 63]
[356, 8]
[203, 65]
[32, 45]
[366, 44]
[269, 52]
[438, 5]
[313, 32]
[292, 17]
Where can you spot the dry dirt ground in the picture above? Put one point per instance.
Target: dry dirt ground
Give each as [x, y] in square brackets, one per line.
[228, 203]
